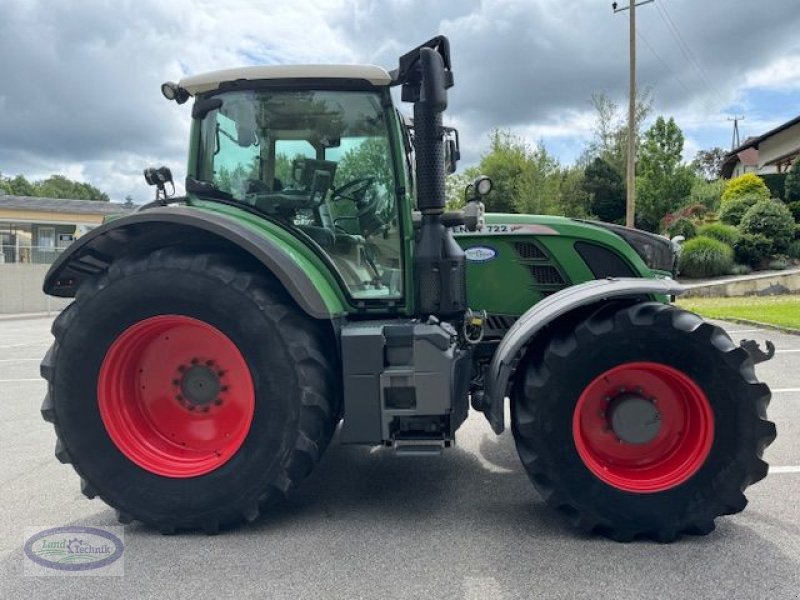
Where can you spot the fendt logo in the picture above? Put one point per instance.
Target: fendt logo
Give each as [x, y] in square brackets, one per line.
[73, 550]
[480, 253]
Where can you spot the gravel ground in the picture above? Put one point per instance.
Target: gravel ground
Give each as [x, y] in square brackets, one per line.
[369, 524]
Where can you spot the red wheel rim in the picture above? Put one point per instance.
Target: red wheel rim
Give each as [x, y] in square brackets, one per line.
[675, 453]
[175, 396]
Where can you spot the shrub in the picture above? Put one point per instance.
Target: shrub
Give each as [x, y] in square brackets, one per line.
[745, 185]
[727, 234]
[705, 257]
[778, 264]
[770, 218]
[740, 270]
[681, 226]
[776, 182]
[794, 249]
[794, 207]
[792, 184]
[732, 211]
[708, 193]
[752, 249]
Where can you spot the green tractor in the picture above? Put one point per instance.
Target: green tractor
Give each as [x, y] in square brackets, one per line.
[310, 279]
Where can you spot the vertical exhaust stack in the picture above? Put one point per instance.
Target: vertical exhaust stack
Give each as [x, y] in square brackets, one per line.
[439, 262]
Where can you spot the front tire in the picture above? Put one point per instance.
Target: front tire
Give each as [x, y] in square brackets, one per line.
[642, 421]
[188, 391]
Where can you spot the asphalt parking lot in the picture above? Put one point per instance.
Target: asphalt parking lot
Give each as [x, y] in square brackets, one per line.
[369, 524]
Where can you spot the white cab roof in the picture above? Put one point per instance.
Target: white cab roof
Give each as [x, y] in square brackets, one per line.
[205, 82]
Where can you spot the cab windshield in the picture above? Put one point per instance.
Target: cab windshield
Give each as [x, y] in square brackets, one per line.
[319, 161]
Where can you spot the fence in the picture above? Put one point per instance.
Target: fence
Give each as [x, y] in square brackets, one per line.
[31, 255]
[21, 290]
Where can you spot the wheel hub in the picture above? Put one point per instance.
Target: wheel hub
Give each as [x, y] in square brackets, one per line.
[634, 419]
[200, 385]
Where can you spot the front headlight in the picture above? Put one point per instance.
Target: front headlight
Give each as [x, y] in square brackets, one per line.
[656, 251]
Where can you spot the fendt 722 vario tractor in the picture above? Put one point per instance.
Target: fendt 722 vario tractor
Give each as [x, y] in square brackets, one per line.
[310, 279]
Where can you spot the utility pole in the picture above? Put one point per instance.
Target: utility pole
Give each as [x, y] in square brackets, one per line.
[630, 204]
[735, 139]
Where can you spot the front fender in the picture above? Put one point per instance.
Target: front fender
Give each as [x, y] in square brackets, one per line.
[149, 230]
[513, 344]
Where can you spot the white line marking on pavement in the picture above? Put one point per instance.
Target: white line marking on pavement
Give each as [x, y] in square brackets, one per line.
[784, 469]
[735, 331]
[25, 344]
[788, 350]
[19, 380]
[6, 360]
[786, 391]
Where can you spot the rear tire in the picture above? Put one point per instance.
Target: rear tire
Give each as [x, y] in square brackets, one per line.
[171, 457]
[707, 419]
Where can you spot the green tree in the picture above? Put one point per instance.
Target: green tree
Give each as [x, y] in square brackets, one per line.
[19, 186]
[574, 200]
[455, 184]
[663, 183]
[793, 183]
[526, 178]
[369, 159]
[603, 184]
[708, 163]
[58, 186]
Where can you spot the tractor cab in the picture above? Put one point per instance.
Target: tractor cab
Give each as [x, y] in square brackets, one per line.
[321, 158]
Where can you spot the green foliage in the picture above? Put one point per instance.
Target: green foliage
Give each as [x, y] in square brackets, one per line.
[369, 159]
[705, 257]
[740, 270]
[708, 163]
[455, 184]
[606, 191]
[794, 249]
[733, 210]
[776, 182]
[682, 226]
[526, 178]
[707, 193]
[752, 249]
[794, 207]
[792, 184]
[745, 185]
[727, 234]
[55, 186]
[663, 183]
[575, 201]
[772, 219]
[778, 264]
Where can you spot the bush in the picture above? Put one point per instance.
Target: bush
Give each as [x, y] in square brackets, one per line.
[752, 249]
[727, 234]
[708, 193]
[792, 184]
[745, 185]
[732, 211]
[778, 264]
[770, 218]
[681, 226]
[794, 207]
[776, 182]
[740, 270]
[705, 257]
[794, 249]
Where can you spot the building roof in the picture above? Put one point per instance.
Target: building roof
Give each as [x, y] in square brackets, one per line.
[57, 205]
[205, 82]
[753, 142]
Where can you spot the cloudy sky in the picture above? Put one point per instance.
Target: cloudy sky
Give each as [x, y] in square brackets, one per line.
[79, 79]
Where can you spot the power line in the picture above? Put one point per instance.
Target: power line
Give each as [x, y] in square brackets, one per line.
[640, 35]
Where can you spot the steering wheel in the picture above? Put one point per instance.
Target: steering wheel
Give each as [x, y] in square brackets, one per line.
[354, 190]
[366, 210]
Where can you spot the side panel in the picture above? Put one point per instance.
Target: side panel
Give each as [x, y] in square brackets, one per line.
[306, 280]
[518, 260]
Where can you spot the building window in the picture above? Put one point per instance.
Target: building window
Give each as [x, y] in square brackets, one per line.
[47, 238]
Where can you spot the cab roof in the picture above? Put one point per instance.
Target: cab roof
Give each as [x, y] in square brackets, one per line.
[206, 82]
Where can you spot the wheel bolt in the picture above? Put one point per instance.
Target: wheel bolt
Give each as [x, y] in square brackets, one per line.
[218, 402]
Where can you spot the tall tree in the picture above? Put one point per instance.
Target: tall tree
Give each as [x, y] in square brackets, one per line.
[708, 163]
[663, 182]
[606, 191]
[792, 189]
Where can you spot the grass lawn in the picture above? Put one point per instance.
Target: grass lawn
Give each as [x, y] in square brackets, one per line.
[774, 310]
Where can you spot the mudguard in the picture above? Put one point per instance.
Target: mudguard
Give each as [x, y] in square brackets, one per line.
[159, 227]
[513, 344]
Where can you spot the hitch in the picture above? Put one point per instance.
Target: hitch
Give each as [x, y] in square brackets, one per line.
[756, 353]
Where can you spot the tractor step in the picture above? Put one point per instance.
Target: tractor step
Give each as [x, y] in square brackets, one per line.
[420, 447]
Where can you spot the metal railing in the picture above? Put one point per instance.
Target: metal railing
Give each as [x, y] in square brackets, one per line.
[34, 255]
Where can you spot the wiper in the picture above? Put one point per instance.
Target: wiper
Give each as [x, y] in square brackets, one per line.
[207, 189]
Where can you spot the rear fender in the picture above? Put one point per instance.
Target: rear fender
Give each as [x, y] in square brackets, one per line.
[513, 345]
[149, 230]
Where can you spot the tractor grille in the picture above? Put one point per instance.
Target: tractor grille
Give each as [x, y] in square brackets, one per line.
[546, 275]
[529, 251]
